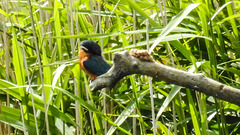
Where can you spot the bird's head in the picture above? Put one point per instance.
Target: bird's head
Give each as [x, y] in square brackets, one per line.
[90, 47]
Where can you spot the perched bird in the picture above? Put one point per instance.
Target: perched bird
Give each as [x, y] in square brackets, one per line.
[91, 61]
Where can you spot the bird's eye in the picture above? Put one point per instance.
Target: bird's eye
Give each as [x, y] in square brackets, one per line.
[84, 48]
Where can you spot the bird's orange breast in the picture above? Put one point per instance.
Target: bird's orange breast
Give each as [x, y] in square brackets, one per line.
[83, 56]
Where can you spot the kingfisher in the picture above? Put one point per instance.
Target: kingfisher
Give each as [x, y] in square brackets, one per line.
[91, 60]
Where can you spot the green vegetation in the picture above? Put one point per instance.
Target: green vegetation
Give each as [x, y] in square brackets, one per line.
[43, 90]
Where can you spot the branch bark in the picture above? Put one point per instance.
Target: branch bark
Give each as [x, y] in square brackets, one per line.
[125, 64]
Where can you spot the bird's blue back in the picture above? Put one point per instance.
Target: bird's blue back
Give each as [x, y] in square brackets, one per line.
[96, 64]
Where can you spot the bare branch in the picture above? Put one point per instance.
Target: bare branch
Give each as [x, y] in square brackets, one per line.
[125, 64]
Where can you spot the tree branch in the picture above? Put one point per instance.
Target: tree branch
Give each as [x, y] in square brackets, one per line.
[125, 64]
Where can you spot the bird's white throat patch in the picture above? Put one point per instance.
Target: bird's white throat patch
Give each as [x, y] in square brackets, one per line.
[84, 48]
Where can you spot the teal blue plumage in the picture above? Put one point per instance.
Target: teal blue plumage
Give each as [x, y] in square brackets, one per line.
[91, 61]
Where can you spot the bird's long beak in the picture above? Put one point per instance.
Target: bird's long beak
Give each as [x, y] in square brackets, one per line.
[84, 48]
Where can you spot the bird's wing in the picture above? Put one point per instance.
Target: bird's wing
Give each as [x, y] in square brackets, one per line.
[96, 65]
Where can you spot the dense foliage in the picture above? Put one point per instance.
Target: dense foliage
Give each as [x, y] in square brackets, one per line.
[43, 91]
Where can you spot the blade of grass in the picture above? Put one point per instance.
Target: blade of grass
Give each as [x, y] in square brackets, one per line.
[164, 129]
[79, 93]
[56, 77]
[179, 105]
[126, 112]
[97, 119]
[39, 103]
[138, 108]
[93, 109]
[144, 14]
[194, 113]
[39, 62]
[232, 20]
[97, 35]
[172, 37]
[7, 87]
[57, 26]
[20, 74]
[120, 26]
[173, 23]
[151, 85]
[207, 31]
